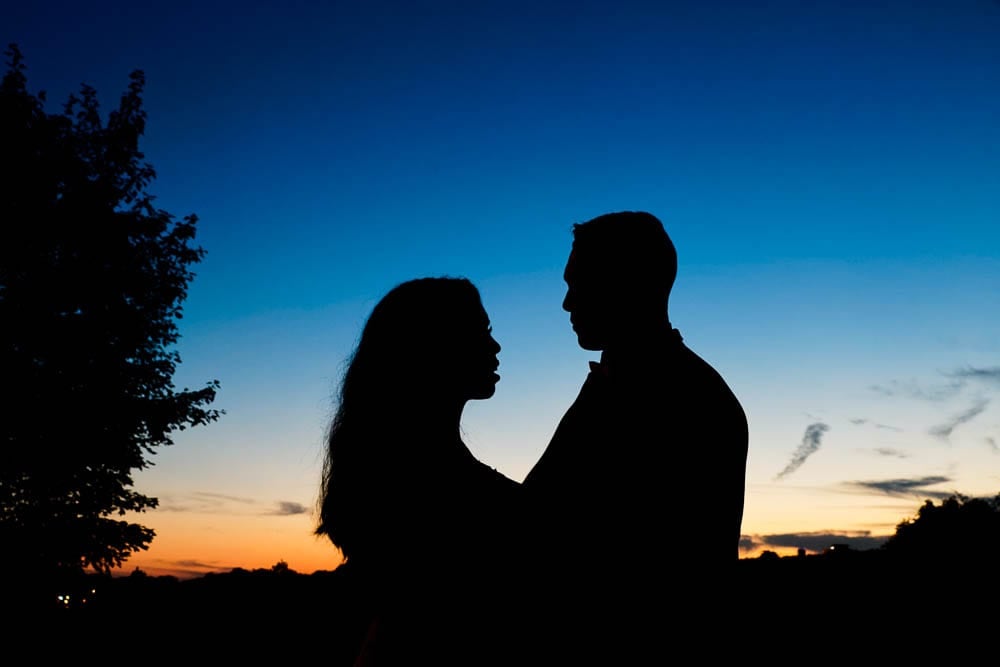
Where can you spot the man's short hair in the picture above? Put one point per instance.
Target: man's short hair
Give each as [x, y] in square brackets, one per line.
[629, 245]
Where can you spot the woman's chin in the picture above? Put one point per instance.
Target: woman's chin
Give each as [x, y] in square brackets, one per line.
[485, 392]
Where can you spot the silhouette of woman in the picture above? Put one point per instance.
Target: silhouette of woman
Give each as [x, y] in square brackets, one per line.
[419, 520]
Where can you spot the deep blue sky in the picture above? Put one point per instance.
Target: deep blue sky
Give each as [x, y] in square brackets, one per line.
[829, 172]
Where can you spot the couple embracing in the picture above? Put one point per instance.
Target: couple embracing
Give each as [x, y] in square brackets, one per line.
[618, 547]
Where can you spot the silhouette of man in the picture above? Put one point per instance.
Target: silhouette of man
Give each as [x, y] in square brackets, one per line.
[637, 502]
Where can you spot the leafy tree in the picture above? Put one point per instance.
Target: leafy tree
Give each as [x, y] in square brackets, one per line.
[958, 529]
[92, 278]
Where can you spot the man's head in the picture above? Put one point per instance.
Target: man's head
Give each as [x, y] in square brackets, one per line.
[618, 278]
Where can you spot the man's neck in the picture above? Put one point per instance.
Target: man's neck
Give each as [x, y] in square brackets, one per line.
[640, 345]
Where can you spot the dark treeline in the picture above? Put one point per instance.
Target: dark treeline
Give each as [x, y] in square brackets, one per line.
[932, 585]
[843, 595]
[245, 614]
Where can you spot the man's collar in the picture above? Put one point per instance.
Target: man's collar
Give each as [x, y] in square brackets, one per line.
[641, 352]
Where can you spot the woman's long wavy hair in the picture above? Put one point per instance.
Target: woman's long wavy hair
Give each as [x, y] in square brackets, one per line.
[369, 444]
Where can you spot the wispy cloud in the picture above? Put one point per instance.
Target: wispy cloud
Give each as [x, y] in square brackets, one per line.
[223, 498]
[959, 379]
[203, 502]
[944, 430]
[217, 503]
[913, 389]
[905, 488]
[889, 451]
[989, 374]
[811, 441]
[749, 543]
[288, 508]
[193, 565]
[862, 421]
[814, 542]
[993, 444]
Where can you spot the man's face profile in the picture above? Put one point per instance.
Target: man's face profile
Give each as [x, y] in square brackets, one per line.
[589, 301]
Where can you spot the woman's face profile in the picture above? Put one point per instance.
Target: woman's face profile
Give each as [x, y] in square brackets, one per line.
[468, 355]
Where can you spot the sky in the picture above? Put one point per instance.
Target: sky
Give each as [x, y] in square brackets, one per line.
[829, 173]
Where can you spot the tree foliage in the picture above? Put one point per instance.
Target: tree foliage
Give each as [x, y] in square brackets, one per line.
[92, 280]
[958, 529]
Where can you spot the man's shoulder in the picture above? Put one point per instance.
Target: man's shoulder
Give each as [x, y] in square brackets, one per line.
[697, 366]
[690, 379]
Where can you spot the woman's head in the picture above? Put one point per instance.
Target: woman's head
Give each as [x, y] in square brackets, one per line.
[426, 339]
[425, 350]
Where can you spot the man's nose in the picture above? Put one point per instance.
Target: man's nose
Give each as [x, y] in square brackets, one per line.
[567, 304]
